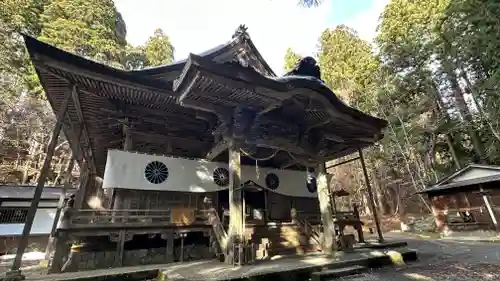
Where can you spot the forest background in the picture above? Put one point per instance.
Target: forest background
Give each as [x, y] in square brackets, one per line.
[432, 71]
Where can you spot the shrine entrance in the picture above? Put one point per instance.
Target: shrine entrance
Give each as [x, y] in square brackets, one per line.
[254, 200]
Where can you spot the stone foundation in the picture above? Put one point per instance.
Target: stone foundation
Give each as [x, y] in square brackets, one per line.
[106, 259]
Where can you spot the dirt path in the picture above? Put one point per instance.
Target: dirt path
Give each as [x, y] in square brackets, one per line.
[444, 261]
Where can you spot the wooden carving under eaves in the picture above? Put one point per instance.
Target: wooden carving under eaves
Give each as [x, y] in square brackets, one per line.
[251, 131]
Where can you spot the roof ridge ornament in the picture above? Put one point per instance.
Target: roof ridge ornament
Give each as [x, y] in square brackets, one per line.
[307, 66]
[241, 31]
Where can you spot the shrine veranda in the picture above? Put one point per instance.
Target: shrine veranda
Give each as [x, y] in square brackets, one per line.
[210, 157]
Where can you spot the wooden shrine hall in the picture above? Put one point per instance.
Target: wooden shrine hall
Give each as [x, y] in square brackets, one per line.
[215, 144]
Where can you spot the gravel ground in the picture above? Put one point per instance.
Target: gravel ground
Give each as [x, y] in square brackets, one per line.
[443, 260]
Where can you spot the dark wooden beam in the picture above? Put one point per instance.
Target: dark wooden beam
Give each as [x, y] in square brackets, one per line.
[342, 139]
[217, 149]
[371, 199]
[43, 62]
[342, 163]
[205, 116]
[270, 108]
[222, 112]
[155, 138]
[282, 143]
[40, 185]
[319, 124]
[169, 119]
[81, 120]
[288, 164]
[69, 131]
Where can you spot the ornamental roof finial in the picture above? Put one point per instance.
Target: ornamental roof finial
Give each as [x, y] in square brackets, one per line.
[240, 31]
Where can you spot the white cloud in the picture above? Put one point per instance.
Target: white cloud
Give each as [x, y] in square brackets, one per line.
[197, 25]
[366, 22]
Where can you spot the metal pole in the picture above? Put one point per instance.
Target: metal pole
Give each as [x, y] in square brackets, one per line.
[41, 183]
[371, 201]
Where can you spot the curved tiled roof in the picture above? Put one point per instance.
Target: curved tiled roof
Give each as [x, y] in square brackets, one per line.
[230, 75]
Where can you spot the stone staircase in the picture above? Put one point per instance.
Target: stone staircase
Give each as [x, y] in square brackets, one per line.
[397, 257]
[278, 240]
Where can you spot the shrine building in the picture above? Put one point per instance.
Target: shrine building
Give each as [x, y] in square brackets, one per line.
[212, 157]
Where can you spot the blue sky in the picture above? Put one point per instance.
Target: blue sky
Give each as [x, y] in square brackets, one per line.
[274, 25]
[342, 11]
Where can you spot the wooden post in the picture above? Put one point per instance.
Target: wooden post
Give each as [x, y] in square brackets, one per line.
[235, 231]
[120, 248]
[329, 245]
[491, 212]
[83, 186]
[169, 247]
[118, 199]
[60, 206]
[371, 200]
[266, 205]
[181, 258]
[39, 187]
[62, 249]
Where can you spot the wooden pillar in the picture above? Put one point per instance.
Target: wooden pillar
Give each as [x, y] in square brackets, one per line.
[371, 200]
[60, 206]
[83, 186]
[62, 249]
[120, 248]
[329, 245]
[235, 231]
[169, 247]
[118, 199]
[439, 218]
[491, 211]
[41, 183]
[266, 204]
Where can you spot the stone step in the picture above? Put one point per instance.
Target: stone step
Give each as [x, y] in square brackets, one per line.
[337, 272]
[282, 251]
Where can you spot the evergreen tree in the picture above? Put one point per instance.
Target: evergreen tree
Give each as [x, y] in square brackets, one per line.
[291, 59]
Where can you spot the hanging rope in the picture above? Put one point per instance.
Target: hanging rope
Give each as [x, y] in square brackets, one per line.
[307, 165]
[260, 159]
[257, 174]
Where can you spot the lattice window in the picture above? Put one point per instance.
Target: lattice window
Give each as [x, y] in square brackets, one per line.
[13, 215]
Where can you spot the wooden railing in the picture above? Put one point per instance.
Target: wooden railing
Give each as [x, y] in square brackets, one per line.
[86, 217]
[109, 217]
[309, 229]
[309, 216]
[346, 216]
[219, 231]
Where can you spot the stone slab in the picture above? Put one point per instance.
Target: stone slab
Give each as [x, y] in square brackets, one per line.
[298, 265]
[337, 272]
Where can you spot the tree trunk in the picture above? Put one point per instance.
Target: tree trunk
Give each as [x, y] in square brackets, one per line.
[473, 94]
[379, 194]
[440, 110]
[464, 111]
